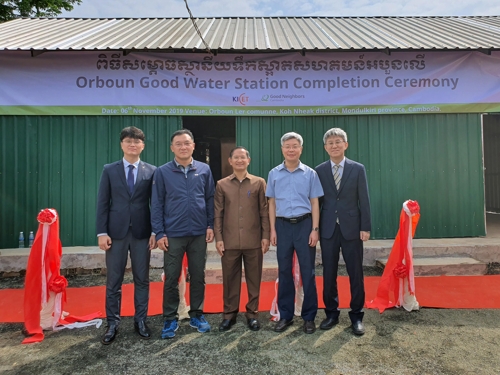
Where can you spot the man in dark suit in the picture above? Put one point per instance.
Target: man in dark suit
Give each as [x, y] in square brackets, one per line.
[344, 224]
[123, 224]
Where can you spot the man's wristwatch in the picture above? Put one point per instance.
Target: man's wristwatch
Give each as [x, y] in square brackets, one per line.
[316, 229]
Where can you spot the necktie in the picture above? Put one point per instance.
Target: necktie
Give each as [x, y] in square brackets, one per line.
[336, 175]
[130, 179]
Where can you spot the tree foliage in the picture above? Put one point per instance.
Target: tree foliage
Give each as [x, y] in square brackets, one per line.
[11, 9]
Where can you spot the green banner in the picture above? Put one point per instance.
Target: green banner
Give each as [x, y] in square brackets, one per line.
[249, 111]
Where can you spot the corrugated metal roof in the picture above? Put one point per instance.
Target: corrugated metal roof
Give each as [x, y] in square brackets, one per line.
[253, 34]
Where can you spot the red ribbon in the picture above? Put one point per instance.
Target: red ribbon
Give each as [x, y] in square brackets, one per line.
[400, 271]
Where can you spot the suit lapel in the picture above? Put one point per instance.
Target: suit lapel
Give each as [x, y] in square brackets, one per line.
[121, 174]
[345, 174]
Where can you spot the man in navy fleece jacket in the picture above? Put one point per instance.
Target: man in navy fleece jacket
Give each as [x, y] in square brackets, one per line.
[182, 216]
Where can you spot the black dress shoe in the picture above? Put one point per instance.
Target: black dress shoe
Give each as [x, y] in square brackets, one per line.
[282, 325]
[328, 323]
[142, 329]
[309, 326]
[358, 328]
[253, 324]
[226, 324]
[110, 334]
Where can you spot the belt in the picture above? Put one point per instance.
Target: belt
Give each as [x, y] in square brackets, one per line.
[294, 220]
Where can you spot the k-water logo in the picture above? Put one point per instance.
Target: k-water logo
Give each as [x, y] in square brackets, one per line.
[242, 99]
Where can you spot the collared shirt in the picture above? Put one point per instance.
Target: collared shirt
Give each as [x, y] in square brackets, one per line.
[341, 165]
[183, 168]
[241, 212]
[134, 171]
[293, 190]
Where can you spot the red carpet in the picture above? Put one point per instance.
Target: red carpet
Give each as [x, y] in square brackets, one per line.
[451, 292]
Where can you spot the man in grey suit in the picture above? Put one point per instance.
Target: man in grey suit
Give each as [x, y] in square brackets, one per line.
[344, 224]
[123, 224]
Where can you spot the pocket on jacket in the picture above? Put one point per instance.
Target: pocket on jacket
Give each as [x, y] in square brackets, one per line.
[353, 213]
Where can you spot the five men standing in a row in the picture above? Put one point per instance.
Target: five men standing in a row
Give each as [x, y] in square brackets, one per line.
[181, 196]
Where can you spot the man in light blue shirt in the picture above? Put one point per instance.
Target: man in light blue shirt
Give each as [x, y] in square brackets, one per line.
[293, 190]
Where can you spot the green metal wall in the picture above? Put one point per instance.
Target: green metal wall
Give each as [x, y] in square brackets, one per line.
[491, 139]
[56, 161]
[434, 159]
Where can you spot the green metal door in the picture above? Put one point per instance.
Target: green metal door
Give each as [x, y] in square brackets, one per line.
[56, 162]
[434, 159]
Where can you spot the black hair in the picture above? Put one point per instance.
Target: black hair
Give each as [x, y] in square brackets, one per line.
[132, 132]
[238, 148]
[181, 132]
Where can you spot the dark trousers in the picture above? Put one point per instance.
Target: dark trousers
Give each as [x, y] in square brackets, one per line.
[352, 251]
[231, 277]
[116, 262]
[292, 237]
[196, 249]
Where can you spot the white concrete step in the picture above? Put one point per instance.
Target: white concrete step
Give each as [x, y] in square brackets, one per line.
[84, 260]
[213, 270]
[92, 258]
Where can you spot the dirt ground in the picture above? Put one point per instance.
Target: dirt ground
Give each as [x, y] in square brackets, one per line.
[429, 341]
